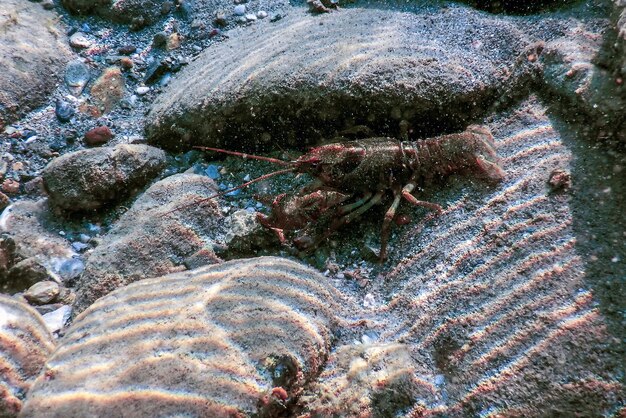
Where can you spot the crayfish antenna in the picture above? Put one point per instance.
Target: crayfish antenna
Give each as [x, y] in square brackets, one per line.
[244, 155]
[241, 186]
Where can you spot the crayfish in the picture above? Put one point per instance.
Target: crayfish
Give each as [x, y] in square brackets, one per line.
[352, 176]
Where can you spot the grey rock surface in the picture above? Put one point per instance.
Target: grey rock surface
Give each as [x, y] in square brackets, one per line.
[24, 347]
[402, 73]
[148, 11]
[88, 179]
[215, 342]
[155, 236]
[33, 53]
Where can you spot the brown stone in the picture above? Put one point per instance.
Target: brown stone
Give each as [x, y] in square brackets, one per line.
[108, 89]
[4, 201]
[173, 41]
[98, 136]
[10, 186]
[126, 63]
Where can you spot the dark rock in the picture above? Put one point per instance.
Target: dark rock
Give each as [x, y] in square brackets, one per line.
[127, 49]
[87, 179]
[159, 40]
[99, 135]
[64, 111]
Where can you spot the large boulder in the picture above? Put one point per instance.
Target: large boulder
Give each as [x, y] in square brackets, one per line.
[402, 73]
[163, 228]
[25, 345]
[233, 340]
[33, 54]
[88, 179]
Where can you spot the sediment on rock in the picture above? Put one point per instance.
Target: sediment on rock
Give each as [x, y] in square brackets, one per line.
[162, 229]
[404, 74]
[215, 341]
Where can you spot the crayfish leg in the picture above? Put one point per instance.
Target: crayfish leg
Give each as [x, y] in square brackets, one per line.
[406, 193]
[386, 229]
[352, 206]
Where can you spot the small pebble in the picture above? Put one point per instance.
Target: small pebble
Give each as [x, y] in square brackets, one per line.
[98, 136]
[64, 111]
[56, 320]
[42, 292]
[173, 41]
[251, 17]
[126, 63]
[79, 41]
[84, 238]
[261, 14]
[212, 172]
[47, 4]
[76, 76]
[79, 246]
[159, 40]
[240, 10]
[220, 18]
[71, 268]
[141, 90]
[127, 49]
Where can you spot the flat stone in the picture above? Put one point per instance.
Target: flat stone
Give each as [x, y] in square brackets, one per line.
[397, 72]
[242, 338]
[76, 76]
[162, 229]
[88, 179]
[42, 292]
[33, 53]
[24, 347]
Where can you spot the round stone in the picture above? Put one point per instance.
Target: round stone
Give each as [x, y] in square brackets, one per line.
[42, 292]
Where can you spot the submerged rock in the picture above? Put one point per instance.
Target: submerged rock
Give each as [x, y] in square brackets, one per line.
[24, 347]
[155, 236]
[33, 52]
[399, 72]
[88, 179]
[500, 291]
[237, 339]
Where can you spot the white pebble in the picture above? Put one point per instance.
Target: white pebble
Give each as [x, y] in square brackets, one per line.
[141, 90]
[240, 10]
[55, 320]
[261, 14]
[251, 17]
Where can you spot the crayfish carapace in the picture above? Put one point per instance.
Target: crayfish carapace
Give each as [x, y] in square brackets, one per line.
[352, 176]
